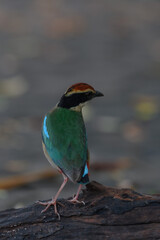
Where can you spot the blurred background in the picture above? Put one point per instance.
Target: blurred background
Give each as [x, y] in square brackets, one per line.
[46, 46]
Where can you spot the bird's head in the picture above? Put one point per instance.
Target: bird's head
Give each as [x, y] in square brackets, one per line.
[77, 95]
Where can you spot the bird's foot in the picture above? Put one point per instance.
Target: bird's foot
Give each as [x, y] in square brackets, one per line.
[75, 200]
[48, 204]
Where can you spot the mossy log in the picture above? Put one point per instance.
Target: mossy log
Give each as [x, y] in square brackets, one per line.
[108, 213]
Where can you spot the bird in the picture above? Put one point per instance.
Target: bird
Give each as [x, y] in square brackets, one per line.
[64, 139]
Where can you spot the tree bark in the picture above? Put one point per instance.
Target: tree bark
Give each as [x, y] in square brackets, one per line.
[108, 213]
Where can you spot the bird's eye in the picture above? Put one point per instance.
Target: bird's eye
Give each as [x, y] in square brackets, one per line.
[88, 93]
[69, 90]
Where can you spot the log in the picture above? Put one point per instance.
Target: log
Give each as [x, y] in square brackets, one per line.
[108, 213]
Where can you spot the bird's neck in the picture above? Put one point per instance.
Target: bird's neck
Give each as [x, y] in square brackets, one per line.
[76, 108]
[70, 103]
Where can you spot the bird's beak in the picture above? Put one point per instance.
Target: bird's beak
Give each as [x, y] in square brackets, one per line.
[98, 94]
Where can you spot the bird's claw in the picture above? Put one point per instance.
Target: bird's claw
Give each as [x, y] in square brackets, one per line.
[48, 204]
[74, 201]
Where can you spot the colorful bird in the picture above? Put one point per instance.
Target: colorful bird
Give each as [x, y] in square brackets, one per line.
[64, 138]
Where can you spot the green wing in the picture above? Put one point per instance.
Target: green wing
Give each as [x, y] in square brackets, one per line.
[64, 136]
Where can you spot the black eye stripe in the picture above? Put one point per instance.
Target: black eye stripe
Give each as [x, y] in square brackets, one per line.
[89, 93]
[73, 100]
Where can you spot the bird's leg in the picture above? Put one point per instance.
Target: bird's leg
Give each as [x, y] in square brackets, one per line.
[53, 201]
[75, 199]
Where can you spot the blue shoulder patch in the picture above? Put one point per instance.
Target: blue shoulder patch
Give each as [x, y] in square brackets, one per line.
[45, 127]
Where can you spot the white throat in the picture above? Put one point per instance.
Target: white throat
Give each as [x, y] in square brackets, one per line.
[78, 108]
